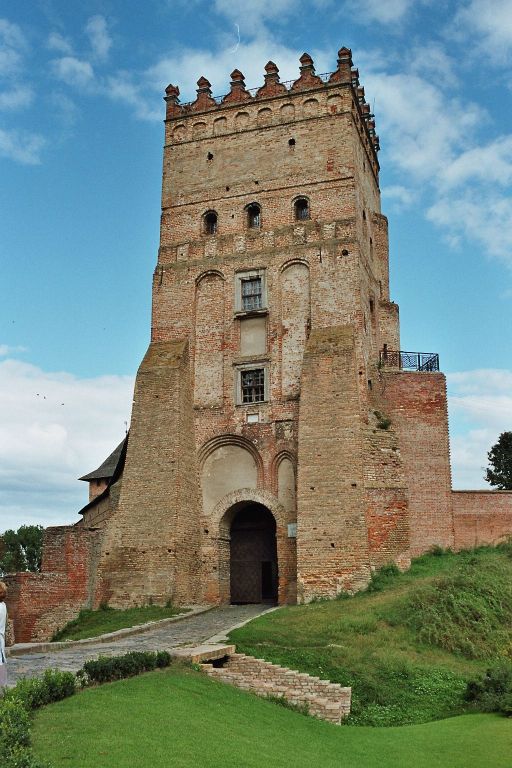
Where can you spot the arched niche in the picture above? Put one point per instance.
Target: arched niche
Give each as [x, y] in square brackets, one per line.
[209, 340]
[220, 126]
[241, 121]
[286, 484]
[286, 113]
[227, 468]
[198, 130]
[179, 133]
[264, 116]
[295, 313]
[334, 103]
[311, 107]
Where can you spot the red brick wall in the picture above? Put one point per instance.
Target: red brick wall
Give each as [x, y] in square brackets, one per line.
[416, 404]
[41, 603]
[481, 517]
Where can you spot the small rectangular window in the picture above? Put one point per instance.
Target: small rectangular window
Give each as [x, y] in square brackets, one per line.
[252, 293]
[252, 384]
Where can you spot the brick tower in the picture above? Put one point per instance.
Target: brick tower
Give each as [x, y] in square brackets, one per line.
[281, 445]
[250, 466]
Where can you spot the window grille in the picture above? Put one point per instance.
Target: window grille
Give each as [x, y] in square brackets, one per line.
[253, 385]
[252, 293]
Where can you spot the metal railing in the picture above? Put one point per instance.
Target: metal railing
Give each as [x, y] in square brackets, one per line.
[409, 361]
[324, 76]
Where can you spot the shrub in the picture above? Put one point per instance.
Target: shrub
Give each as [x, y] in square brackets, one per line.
[15, 751]
[105, 669]
[493, 692]
[35, 692]
[383, 577]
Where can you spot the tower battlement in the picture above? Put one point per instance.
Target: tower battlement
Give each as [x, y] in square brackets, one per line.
[299, 94]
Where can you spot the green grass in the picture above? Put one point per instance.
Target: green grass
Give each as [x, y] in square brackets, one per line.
[182, 719]
[409, 644]
[94, 623]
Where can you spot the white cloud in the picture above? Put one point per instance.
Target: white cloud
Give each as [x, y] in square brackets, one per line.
[489, 164]
[121, 88]
[480, 405]
[430, 59]
[56, 42]
[7, 349]
[487, 26]
[73, 71]
[99, 37]
[16, 98]
[54, 427]
[381, 11]
[22, 146]
[422, 135]
[483, 217]
[401, 197]
[12, 46]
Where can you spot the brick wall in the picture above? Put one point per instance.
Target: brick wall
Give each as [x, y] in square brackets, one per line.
[481, 517]
[416, 404]
[332, 545]
[151, 544]
[325, 700]
[41, 603]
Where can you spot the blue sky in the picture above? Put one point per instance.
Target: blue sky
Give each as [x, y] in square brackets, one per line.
[81, 136]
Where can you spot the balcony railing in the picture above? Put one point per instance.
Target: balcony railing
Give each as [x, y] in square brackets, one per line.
[409, 361]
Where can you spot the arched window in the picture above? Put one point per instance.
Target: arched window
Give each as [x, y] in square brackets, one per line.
[254, 216]
[210, 223]
[301, 208]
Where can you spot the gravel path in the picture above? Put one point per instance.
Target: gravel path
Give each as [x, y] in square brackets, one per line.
[191, 631]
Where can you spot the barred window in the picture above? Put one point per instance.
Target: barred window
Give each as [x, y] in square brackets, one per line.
[252, 293]
[253, 385]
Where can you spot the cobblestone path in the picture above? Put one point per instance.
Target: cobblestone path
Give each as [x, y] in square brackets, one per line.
[190, 631]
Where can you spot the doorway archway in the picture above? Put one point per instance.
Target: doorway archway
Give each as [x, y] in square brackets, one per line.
[253, 555]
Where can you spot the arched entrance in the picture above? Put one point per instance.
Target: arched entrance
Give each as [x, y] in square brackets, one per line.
[253, 555]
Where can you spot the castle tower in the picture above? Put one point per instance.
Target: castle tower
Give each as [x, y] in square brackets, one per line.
[251, 471]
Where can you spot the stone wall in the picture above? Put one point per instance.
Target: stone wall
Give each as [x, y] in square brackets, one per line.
[481, 517]
[326, 700]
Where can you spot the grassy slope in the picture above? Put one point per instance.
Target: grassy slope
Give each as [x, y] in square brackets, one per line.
[94, 623]
[183, 719]
[372, 640]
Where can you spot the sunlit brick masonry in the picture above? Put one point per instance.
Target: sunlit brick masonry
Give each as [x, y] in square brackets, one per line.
[281, 446]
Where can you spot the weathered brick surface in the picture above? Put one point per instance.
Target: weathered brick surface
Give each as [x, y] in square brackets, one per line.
[41, 603]
[416, 404]
[326, 700]
[481, 517]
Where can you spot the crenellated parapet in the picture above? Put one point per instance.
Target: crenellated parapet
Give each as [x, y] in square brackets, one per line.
[345, 76]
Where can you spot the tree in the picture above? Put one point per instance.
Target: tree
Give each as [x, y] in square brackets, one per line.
[21, 550]
[499, 474]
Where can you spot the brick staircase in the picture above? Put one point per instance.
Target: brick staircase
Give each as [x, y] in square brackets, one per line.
[325, 700]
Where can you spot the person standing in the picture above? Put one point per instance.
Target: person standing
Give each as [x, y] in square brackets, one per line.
[3, 629]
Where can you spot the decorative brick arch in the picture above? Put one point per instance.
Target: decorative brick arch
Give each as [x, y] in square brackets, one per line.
[220, 522]
[229, 439]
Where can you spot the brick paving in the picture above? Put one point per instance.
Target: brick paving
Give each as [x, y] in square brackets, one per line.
[190, 631]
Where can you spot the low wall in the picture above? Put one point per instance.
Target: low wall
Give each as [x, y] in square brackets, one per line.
[326, 700]
[41, 603]
[481, 517]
